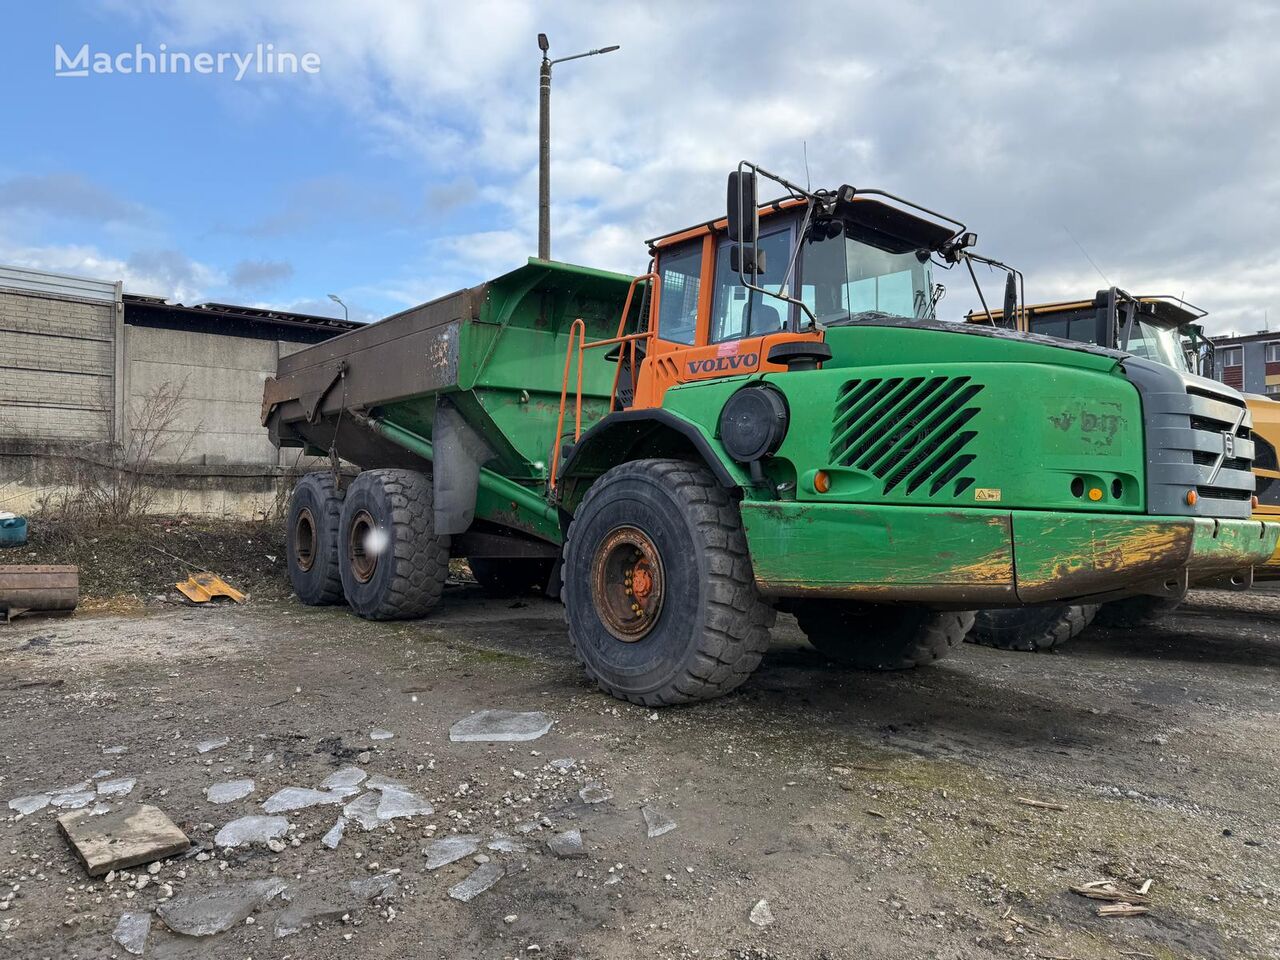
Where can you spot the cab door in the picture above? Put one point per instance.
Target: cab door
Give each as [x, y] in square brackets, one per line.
[733, 326]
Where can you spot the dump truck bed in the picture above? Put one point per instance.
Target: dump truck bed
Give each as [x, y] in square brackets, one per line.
[486, 362]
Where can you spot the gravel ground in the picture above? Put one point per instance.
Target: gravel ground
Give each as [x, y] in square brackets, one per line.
[878, 815]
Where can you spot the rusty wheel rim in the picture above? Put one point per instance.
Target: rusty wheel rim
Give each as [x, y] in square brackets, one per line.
[627, 583]
[304, 540]
[363, 561]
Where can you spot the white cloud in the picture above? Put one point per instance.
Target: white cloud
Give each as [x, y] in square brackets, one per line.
[162, 273]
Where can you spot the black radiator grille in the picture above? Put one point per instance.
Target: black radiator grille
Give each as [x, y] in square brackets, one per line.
[908, 432]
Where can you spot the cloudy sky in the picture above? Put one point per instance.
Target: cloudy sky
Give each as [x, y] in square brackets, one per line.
[1136, 142]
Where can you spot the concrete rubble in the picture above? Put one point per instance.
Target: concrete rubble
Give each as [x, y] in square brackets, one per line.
[203, 915]
[568, 844]
[477, 882]
[446, 850]
[208, 746]
[229, 791]
[131, 932]
[761, 914]
[122, 838]
[500, 726]
[299, 798]
[117, 788]
[656, 822]
[250, 830]
[334, 836]
[344, 777]
[595, 792]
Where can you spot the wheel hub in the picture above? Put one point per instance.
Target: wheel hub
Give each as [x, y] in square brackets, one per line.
[304, 539]
[627, 583]
[364, 561]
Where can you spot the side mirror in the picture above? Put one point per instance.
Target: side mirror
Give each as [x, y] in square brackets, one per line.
[743, 207]
[1010, 317]
[743, 259]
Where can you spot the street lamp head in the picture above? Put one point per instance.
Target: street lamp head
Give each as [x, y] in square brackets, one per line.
[335, 298]
[543, 44]
[616, 46]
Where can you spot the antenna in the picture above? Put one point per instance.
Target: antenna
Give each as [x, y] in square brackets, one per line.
[805, 145]
[1086, 255]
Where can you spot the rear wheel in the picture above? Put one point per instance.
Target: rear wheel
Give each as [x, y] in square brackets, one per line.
[879, 637]
[657, 585]
[393, 565]
[512, 576]
[1032, 629]
[1133, 612]
[311, 540]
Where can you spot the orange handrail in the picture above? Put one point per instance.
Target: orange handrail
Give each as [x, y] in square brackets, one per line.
[578, 331]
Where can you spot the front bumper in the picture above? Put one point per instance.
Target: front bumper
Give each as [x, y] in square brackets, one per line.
[988, 558]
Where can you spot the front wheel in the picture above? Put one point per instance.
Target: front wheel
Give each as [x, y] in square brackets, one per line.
[1033, 629]
[657, 585]
[881, 637]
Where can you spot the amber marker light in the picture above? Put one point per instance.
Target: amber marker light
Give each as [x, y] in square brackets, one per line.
[1254, 501]
[1095, 494]
[1192, 498]
[821, 481]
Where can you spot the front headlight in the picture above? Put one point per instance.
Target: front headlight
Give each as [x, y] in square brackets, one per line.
[753, 423]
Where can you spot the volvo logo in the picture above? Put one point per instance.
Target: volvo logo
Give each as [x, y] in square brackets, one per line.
[1228, 444]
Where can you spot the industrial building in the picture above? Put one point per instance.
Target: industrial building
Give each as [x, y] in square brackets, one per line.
[82, 364]
[1249, 362]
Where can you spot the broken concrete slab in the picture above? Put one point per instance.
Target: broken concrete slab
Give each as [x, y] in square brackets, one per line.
[402, 803]
[73, 801]
[229, 791]
[117, 788]
[30, 804]
[131, 932]
[205, 914]
[480, 879]
[364, 810]
[505, 844]
[208, 746]
[298, 798]
[298, 916]
[447, 850]
[382, 886]
[344, 777]
[656, 822]
[126, 837]
[334, 836]
[250, 830]
[568, 844]
[500, 726]
[595, 792]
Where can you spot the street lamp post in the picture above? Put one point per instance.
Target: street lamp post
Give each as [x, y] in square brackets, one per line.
[346, 314]
[544, 140]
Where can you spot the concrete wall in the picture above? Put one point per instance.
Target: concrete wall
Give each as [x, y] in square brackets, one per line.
[57, 367]
[220, 379]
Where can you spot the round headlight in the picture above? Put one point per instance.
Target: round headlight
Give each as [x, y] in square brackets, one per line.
[753, 423]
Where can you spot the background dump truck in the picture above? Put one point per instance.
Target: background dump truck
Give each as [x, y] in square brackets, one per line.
[1169, 331]
[770, 418]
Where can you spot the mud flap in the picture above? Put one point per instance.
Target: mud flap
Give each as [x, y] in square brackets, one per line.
[458, 454]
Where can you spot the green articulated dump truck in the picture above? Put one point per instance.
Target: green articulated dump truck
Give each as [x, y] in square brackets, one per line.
[771, 418]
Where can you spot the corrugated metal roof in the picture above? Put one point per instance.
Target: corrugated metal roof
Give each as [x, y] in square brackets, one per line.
[27, 280]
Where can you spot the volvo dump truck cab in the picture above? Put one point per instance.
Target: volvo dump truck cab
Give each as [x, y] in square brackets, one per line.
[770, 418]
[1170, 331]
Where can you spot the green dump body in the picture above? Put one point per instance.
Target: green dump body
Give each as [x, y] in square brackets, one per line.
[493, 354]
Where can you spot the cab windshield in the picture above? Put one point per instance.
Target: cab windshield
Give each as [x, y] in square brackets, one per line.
[1159, 343]
[841, 278]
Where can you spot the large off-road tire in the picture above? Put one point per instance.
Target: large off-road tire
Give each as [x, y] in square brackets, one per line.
[881, 637]
[512, 576]
[1134, 612]
[393, 565]
[1033, 629]
[311, 540]
[657, 586]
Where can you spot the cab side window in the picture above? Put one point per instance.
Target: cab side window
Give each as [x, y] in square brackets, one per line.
[681, 278]
[739, 312]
